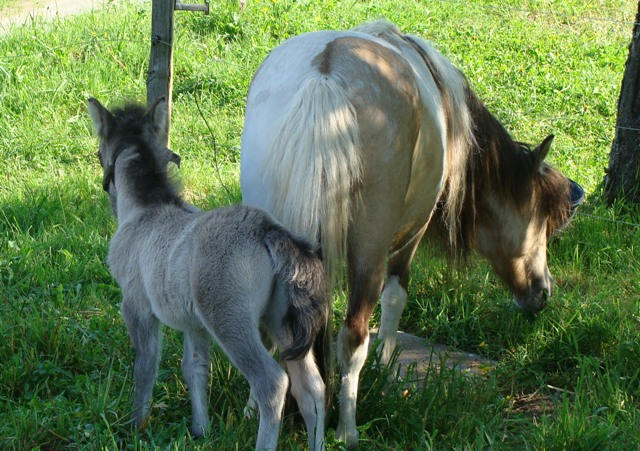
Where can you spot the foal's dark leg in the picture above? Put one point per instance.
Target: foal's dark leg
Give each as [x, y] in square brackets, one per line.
[195, 368]
[144, 330]
[365, 282]
[394, 295]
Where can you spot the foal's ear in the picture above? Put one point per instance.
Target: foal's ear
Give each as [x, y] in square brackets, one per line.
[100, 117]
[541, 152]
[175, 158]
[158, 112]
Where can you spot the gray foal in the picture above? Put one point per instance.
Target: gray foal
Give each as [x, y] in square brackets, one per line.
[232, 273]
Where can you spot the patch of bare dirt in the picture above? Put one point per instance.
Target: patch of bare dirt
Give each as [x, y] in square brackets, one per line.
[26, 10]
[533, 405]
[425, 354]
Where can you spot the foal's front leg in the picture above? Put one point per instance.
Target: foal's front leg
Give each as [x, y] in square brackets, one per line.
[144, 330]
[195, 368]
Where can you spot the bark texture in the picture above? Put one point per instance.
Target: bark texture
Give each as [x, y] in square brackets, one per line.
[622, 180]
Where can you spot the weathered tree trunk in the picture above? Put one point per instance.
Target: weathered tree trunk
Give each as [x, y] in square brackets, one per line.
[160, 75]
[622, 180]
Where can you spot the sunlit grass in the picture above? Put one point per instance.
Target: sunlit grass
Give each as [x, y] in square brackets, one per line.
[568, 380]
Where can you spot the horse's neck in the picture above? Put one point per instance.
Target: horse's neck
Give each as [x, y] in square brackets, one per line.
[491, 139]
[139, 187]
[127, 206]
[128, 203]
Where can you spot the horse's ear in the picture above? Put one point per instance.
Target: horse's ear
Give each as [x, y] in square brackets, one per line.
[100, 117]
[158, 113]
[541, 152]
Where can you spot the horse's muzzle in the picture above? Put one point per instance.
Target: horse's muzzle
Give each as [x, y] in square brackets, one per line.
[536, 299]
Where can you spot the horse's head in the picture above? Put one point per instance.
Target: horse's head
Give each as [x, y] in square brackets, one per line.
[513, 223]
[116, 130]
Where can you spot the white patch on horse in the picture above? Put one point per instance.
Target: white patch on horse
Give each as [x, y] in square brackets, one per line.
[392, 303]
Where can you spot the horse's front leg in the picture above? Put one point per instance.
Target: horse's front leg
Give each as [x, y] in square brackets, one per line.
[353, 342]
[394, 296]
[195, 368]
[144, 330]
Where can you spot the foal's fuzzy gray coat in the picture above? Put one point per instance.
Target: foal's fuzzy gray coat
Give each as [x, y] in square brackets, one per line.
[233, 273]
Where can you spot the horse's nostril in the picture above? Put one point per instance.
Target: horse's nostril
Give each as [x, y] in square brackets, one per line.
[544, 297]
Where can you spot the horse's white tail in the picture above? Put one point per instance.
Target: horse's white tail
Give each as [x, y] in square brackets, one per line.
[314, 168]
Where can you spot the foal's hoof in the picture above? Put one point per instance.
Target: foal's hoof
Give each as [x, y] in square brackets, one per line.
[199, 432]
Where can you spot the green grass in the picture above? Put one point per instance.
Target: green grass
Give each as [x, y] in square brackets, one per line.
[569, 380]
[6, 4]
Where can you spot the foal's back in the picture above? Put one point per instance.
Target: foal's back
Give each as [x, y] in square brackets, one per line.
[186, 262]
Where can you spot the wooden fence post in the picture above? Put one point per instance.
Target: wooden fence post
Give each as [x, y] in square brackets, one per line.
[160, 75]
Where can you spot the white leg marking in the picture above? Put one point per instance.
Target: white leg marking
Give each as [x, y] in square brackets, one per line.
[351, 362]
[393, 302]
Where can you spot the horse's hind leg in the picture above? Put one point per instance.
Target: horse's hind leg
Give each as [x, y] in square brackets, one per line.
[308, 389]
[195, 367]
[239, 337]
[144, 330]
[268, 383]
[251, 408]
[394, 295]
[365, 282]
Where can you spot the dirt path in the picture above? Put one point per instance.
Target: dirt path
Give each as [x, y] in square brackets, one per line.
[24, 10]
[426, 354]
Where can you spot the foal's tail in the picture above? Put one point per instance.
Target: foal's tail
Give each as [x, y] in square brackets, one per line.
[314, 168]
[299, 268]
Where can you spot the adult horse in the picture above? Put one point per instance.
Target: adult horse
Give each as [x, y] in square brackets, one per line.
[353, 139]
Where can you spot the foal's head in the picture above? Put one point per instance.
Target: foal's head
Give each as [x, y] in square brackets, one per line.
[521, 204]
[132, 125]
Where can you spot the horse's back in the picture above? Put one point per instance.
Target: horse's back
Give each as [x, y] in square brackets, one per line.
[400, 128]
[270, 96]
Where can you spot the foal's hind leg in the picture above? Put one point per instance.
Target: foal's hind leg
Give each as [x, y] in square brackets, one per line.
[195, 367]
[267, 380]
[239, 337]
[394, 295]
[308, 388]
[144, 330]
[251, 408]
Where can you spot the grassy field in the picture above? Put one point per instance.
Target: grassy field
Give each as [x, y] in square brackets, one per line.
[569, 380]
[5, 4]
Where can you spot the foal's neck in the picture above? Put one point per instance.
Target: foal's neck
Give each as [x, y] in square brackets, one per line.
[142, 181]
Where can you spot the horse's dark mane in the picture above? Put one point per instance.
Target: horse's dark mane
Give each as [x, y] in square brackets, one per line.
[499, 164]
[148, 174]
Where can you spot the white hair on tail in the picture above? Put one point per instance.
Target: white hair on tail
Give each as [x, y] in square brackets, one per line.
[317, 144]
